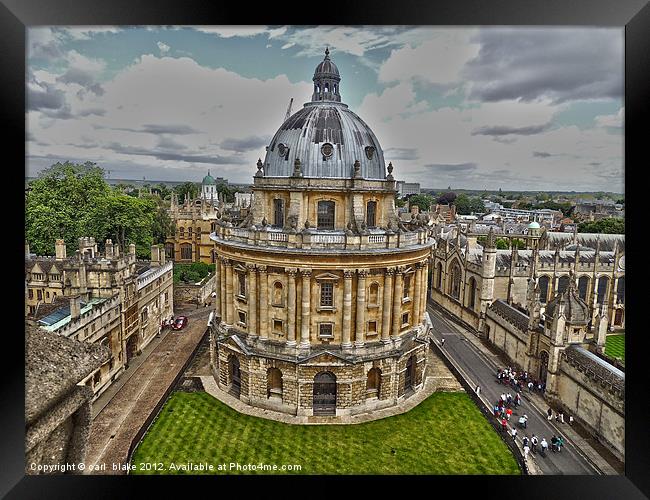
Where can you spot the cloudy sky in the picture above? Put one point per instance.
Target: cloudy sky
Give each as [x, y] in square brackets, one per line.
[475, 108]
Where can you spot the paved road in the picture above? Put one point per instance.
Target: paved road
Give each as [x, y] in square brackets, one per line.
[482, 371]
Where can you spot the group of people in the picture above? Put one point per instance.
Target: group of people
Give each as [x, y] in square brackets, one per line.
[519, 380]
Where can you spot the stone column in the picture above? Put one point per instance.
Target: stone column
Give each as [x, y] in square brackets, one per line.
[360, 335]
[416, 294]
[397, 303]
[222, 289]
[347, 308]
[388, 298]
[306, 307]
[291, 308]
[264, 303]
[252, 300]
[230, 313]
[217, 288]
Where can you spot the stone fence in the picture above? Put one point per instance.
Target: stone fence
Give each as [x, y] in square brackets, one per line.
[195, 292]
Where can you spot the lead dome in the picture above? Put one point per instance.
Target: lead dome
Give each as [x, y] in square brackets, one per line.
[326, 136]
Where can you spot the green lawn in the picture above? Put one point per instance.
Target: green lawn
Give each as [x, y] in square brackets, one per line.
[615, 346]
[445, 434]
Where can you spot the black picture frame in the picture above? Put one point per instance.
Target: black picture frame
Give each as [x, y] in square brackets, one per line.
[634, 15]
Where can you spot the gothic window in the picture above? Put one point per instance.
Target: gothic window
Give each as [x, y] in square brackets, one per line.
[543, 289]
[278, 213]
[562, 284]
[169, 250]
[454, 285]
[620, 290]
[181, 232]
[439, 277]
[277, 294]
[583, 287]
[371, 211]
[189, 232]
[407, 286]
[373, 294]
[327, 294]
[325, 215]
[186, 251]
[603, 286]
[472, 293]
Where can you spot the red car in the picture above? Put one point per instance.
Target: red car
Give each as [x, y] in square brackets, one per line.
[179, 323]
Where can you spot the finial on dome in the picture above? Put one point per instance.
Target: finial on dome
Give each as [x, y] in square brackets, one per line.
[327, 52]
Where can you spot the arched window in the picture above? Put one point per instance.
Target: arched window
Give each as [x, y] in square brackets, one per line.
[562, 284]
[439, 276]
[407, 286]
[169, 250]
[181, 232]
[603, 288]
[242, 284]
[278, 296]
[583, 287]
[373, 294]
[324, 401]
[543, 289]
[373, 383]
[371, 214]
[327, 88]
[189, 232]
[326, 215]
[471, 303]
[186, 251]
[274, 384]
[620, 290]
[278, 213]
[454, 285]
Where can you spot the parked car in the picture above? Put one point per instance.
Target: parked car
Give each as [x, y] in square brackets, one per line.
[179, 323]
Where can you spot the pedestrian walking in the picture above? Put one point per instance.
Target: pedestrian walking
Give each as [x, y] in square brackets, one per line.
[517, 399]
[534, 442]
[560, 443]
[508, 413]
[478, 390]
[544, 446]
[513, 432]
[570, 419]
[561, 417]
[530, 387]
[442, 342]
[525, 441]
[553, 443]
[504, 424]
[526, 451]
[549, 412]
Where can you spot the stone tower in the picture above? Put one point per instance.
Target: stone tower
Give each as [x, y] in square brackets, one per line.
[488, 269]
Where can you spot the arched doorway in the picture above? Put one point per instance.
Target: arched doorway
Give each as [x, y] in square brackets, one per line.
[274, 384]
[131, 347]
[543, 366]
[325, 394]
[409, 375]
[235, 376]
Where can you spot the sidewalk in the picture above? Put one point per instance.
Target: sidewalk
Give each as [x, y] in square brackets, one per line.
[537, 401]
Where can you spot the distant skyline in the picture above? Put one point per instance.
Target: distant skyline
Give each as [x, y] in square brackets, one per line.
[475, 108]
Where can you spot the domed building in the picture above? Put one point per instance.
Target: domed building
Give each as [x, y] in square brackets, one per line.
[209, 189]
[322, 288]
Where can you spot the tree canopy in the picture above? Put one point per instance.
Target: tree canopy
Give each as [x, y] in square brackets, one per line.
[446, 198]
[71, 200]
[466, 205]
[424, 201]
[610, 225]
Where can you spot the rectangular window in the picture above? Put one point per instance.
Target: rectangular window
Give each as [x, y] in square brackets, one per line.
[242, 318]
[278, 213]
[30, 293]
[371, 212]
[39, 294]
[277, 325]
[325, 330]
[47, 295]
[325, 215]
[407, 286]
[327, 294]
[32, 309]
[372, 327]
[242, 284]
[405, 319]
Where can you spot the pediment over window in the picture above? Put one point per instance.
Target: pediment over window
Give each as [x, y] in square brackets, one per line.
[327, 277]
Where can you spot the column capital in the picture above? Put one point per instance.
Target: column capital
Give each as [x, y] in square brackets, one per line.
[362, 273]
[389, 271]
[291, 271]
[399, 270]
[261, 269]
[227, 262]
[347, 274]
[251, 267]
[305, 273]
[419, 265]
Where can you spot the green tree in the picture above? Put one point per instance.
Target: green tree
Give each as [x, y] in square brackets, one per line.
[424, 201]
[501, 244]
[611, 225]
[447, 198]
[187, 189]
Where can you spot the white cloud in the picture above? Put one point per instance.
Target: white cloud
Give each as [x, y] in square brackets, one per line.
[287, 45]
[87, 32]
[437, 60]
[164, 48]
[232, 31]
[616, 120]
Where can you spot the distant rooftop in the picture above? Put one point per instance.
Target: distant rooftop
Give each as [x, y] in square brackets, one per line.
[61, 317]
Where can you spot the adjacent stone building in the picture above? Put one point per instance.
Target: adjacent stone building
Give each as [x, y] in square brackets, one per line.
[57, 403]
[107, 298]
[322, 287]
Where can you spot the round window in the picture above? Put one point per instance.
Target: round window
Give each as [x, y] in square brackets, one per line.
[327, 149]
[370, 152]
[282, 149]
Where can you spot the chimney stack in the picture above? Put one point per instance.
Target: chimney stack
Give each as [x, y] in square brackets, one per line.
[109, 249]
[155, 256]
[59, 246]
[75, 307]
[27, 251]
[132, 249]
